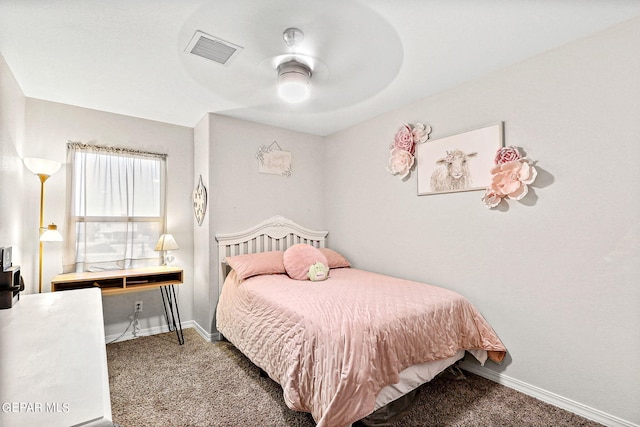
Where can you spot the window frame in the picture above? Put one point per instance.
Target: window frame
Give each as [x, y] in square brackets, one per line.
[74, 263]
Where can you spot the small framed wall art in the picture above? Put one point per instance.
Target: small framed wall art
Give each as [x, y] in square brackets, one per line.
[273, 160]
[459, 162]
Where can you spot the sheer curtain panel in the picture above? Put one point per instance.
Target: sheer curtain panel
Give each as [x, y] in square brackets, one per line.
[116, 208]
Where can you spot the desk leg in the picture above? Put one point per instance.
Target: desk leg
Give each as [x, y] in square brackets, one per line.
[171, 312]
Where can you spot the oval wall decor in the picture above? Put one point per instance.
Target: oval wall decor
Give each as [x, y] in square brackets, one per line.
[200, 201]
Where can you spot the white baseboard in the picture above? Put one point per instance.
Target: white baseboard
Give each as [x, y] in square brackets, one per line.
[548, 397]
[144, 332]
[162, 329]
[215, 336]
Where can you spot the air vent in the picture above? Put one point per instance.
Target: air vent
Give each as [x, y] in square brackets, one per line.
[212, 48]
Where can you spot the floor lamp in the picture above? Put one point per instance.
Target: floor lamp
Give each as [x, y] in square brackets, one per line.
[44, 169]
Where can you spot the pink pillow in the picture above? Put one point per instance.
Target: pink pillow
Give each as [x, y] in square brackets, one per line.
[256, 264]
[335, 259]
[298, 258]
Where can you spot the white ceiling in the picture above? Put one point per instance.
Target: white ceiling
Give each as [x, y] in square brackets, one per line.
[128, 57]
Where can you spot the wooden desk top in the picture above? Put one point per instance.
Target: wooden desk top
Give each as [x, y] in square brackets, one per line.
[113, 282]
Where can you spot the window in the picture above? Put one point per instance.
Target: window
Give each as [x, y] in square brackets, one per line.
[116, 209]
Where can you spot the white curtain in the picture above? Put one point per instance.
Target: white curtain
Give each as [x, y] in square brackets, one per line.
[116, 208]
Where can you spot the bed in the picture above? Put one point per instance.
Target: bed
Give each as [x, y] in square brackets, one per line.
[343, 347]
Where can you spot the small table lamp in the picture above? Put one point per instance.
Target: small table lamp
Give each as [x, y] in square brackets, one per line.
[167, 243]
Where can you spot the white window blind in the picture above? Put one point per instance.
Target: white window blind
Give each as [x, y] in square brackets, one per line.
[116, 209]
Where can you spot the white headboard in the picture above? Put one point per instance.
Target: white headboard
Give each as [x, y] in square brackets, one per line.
[275, 234]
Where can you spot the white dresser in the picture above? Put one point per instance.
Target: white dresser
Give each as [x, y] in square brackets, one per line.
[53, 361]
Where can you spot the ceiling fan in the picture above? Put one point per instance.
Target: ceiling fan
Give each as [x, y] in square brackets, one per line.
[295, 69]
[319, 58]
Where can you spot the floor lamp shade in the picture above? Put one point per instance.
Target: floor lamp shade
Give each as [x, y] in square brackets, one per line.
[42, 166]
[51, 234]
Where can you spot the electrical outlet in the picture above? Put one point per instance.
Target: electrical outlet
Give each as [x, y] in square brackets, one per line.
[138, 306]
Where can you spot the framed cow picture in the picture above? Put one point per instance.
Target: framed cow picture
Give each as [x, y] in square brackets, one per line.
[460, 162]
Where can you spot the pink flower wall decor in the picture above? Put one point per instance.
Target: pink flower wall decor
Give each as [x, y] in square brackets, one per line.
[402, 157]
[511, 177]
[400, 162]
[508, 154]
[404, 139]
[421, 133]
[491, 199]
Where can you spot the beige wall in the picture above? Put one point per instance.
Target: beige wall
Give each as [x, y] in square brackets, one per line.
[243, 196]
[205, 293]
[12, 107]
[556, 275]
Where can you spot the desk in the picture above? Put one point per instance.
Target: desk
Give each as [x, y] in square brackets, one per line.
[116, 282]
[53, 361]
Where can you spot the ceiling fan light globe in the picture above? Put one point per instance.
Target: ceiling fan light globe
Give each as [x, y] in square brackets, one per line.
[293, 81]
[293, 91]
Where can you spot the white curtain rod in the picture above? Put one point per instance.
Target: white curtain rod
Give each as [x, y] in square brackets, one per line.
[81, 146]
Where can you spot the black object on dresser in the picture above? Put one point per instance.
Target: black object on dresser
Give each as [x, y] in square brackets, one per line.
[5, 258]
[11, 284]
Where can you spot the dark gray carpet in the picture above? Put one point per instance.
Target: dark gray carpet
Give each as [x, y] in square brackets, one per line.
[156, 382]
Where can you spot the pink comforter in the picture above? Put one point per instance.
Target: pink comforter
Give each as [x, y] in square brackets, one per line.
[334, 345]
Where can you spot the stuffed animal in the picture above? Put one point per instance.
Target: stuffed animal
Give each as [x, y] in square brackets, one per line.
[318, 272]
